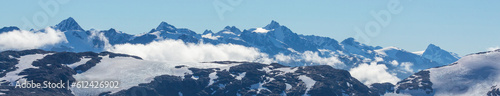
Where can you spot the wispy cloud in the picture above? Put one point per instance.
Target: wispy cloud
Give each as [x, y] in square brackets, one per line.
[21, 39]
[308, 58]
[177, 50]
[493, 48]
[373, 73]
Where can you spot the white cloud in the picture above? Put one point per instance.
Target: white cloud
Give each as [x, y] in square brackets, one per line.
[394, 63]
[21, 39]
[308, 58]
[377, 59]
[373, 73]
[493, 48]
[100, 36]
[177, 50]
[261, 30]
[407, 66]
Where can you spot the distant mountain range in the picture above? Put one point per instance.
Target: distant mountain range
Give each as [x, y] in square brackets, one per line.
[272, 39]
[431, 72]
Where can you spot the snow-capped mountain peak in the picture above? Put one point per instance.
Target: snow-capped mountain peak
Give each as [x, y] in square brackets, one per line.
[68, 25]
[439, 55]
[165, 26]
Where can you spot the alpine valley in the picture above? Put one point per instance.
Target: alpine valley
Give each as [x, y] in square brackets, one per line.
[292, 64]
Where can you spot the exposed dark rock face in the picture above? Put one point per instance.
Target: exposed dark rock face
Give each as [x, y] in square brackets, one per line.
[7, 64]
[418, 81]
[7, 29]
[494, 91]
[258, 79]
[382, 88]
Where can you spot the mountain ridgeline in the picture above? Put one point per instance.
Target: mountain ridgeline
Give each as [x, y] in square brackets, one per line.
[272, 39]
[84, 58]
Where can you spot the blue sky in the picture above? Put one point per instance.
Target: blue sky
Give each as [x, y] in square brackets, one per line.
[461, 26]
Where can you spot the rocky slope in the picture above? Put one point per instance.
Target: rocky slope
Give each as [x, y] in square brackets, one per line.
[148, 78]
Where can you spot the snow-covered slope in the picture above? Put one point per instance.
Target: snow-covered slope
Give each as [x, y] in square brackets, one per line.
[153, 78]
[472, 75]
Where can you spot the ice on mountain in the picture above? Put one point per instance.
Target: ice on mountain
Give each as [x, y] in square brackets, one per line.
[471, 75]
[288, 86]
[212, 77]
[241, 75]
[81, 62]
[307, 81]
[25, 62]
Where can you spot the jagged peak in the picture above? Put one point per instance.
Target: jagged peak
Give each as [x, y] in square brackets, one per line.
[68, 25]
[165, 26]
[432, 49]
[207, 32]
[272, 25]
[228, 27]
[350, 41]
[232, 29]
[437, 54]
[113, 30]
[432, 46]
[10, 28]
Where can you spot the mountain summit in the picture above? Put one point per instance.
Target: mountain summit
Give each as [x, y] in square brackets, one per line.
[165, 26]
[435, 53]
[272, 25]
[68, 25]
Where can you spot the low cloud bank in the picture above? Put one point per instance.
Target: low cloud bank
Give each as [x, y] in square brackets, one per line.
[22, 40]
[177, 50]
[373, 73]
